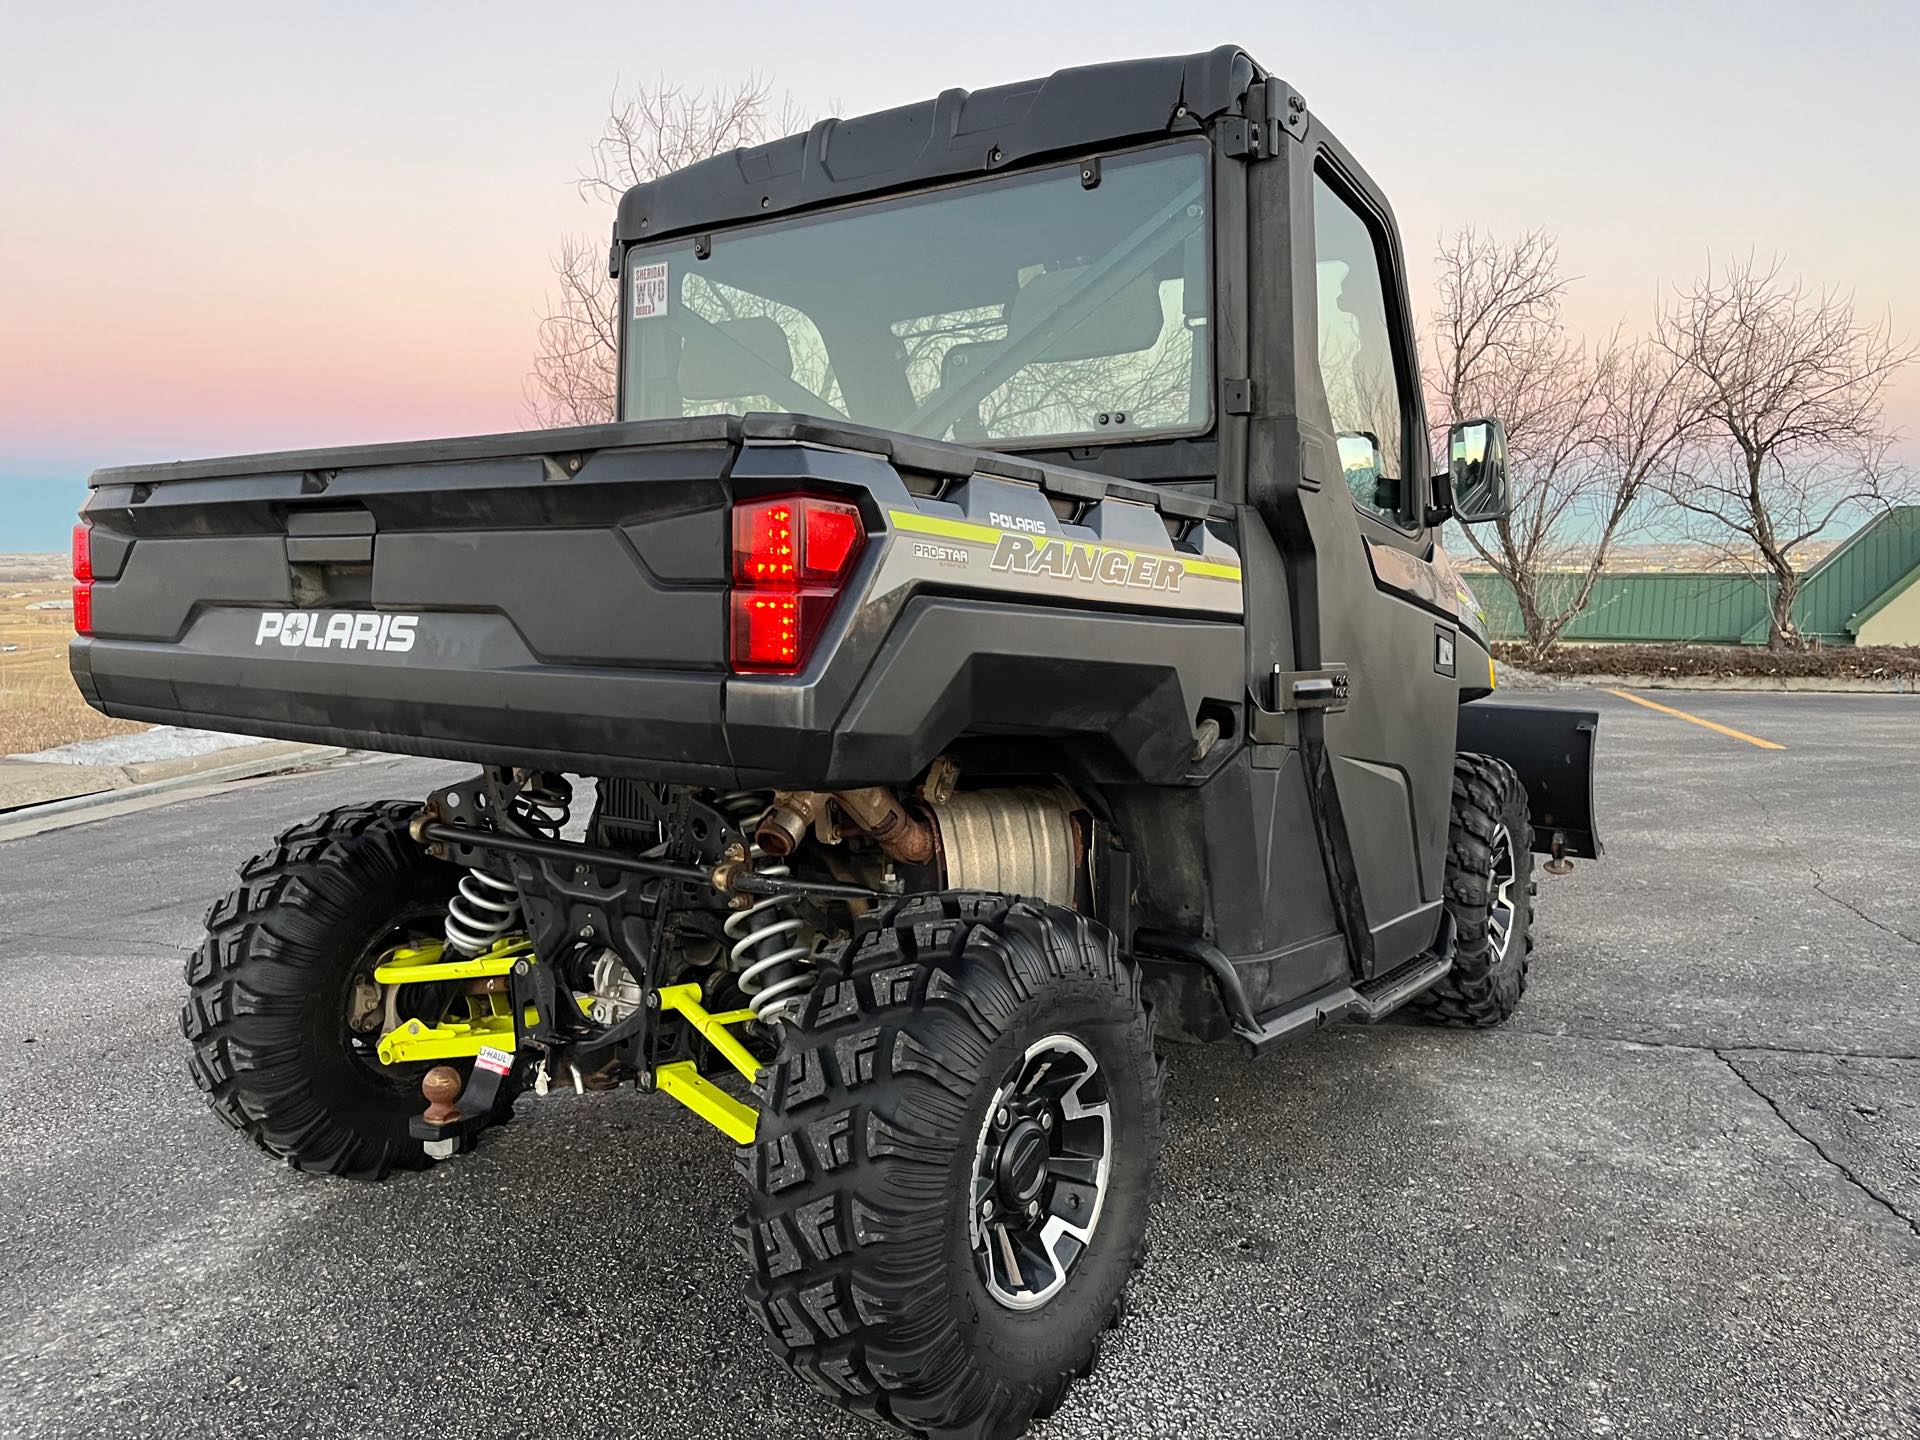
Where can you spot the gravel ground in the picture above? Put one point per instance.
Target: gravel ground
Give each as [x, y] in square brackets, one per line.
[1679, 1195]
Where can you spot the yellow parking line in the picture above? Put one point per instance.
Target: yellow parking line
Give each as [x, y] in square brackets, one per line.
[1695, 719]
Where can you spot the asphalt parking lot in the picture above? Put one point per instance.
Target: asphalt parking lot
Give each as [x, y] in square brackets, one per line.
[1679, 1195]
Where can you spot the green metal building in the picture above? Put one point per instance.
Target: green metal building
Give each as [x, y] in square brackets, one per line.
[1867, 591]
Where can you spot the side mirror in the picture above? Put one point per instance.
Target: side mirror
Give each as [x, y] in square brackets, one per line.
[1478, 485]
[1366, 471]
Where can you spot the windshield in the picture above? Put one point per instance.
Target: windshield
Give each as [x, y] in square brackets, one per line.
[1025, 307]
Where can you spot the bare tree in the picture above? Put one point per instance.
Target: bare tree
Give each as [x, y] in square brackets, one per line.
[1788, 389]
[650, 132]
[1588, 426]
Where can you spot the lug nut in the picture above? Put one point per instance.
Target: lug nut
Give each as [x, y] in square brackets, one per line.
[986, 1209]
[1046, 1120]
[1003, 1118]
[1033, 1209]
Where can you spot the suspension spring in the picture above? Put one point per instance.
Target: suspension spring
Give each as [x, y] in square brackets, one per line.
[488, 906]
[773, 963]
[543, 814]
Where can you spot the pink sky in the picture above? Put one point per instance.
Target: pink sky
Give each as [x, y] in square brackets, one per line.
[229, 227]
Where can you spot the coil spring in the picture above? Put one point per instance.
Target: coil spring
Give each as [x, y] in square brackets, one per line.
[545, 815]
[773, 964]
[488, 907]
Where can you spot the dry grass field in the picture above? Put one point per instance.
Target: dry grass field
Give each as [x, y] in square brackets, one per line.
[39, 706]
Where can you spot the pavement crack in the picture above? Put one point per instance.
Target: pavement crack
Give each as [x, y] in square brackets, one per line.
[1820, 889]
[132, 941]
[1845, 1171]
[1699, 1048]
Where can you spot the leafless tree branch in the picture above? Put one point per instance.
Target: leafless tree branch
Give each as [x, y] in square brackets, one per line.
[648, 132]
[1787, 392]
[1589, 425]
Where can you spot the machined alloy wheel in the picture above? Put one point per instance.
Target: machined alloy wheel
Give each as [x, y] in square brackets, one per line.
[1501, 908]
[1040, 1172]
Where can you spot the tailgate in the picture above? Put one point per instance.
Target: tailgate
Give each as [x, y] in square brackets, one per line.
[553, 597]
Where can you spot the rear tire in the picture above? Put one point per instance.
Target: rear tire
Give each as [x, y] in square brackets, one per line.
[1489, 893]
[269, 992]
[872, 1270]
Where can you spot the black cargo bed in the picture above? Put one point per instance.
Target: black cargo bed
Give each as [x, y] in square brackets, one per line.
[553, 596]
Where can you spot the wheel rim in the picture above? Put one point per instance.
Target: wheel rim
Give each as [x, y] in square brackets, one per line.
[1501, 907]
[1040, 1173]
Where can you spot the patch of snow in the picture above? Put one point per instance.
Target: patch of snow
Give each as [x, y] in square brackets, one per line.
[51, 605]
[1512, 677]
[163, 742]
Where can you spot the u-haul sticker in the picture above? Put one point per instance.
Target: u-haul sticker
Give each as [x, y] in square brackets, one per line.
[649, 290]
[336, 630]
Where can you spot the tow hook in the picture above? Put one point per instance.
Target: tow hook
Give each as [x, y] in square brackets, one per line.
[456, 1113]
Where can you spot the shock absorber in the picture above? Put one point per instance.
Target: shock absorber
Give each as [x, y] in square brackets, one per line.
[773, 963]
[487, 906]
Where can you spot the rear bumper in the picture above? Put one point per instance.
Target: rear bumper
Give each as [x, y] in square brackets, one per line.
[1551, 750]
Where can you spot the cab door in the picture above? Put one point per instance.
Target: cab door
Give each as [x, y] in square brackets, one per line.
[1383, 606]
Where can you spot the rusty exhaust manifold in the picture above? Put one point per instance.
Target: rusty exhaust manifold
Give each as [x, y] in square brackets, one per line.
[874, 811]
[1017, 840]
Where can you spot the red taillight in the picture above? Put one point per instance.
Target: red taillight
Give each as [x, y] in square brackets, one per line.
[791, 554]
[82, 580]
[834, 534]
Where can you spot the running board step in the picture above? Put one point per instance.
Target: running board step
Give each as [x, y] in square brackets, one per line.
[1361, 1004]
[1380, 998]
[1365, 1003]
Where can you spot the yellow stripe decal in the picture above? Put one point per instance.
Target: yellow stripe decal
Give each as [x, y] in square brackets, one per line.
[951, 529]
[916, 523]
[1207, 567]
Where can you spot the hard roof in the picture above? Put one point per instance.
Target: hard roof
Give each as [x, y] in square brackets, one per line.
[959, 134]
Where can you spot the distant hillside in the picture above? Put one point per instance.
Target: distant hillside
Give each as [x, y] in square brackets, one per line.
[32, 568]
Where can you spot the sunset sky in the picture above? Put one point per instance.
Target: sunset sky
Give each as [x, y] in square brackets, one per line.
[230, 227]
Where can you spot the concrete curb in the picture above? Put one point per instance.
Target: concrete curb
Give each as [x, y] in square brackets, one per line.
[102, 805]
[1765, 684]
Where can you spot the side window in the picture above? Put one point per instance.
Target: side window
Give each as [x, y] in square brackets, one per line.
[1365, 389]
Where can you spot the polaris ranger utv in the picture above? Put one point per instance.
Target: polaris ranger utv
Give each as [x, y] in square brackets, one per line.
[1003, 634]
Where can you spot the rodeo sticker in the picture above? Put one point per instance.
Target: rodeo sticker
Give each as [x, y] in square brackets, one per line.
[650, 290]
[1023, 555]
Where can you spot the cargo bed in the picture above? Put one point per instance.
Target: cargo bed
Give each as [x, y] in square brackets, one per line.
[559, 598]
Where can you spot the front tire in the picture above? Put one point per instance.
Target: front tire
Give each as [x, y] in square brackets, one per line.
[271, 1005]
[1489, 893]
[955, 1157]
